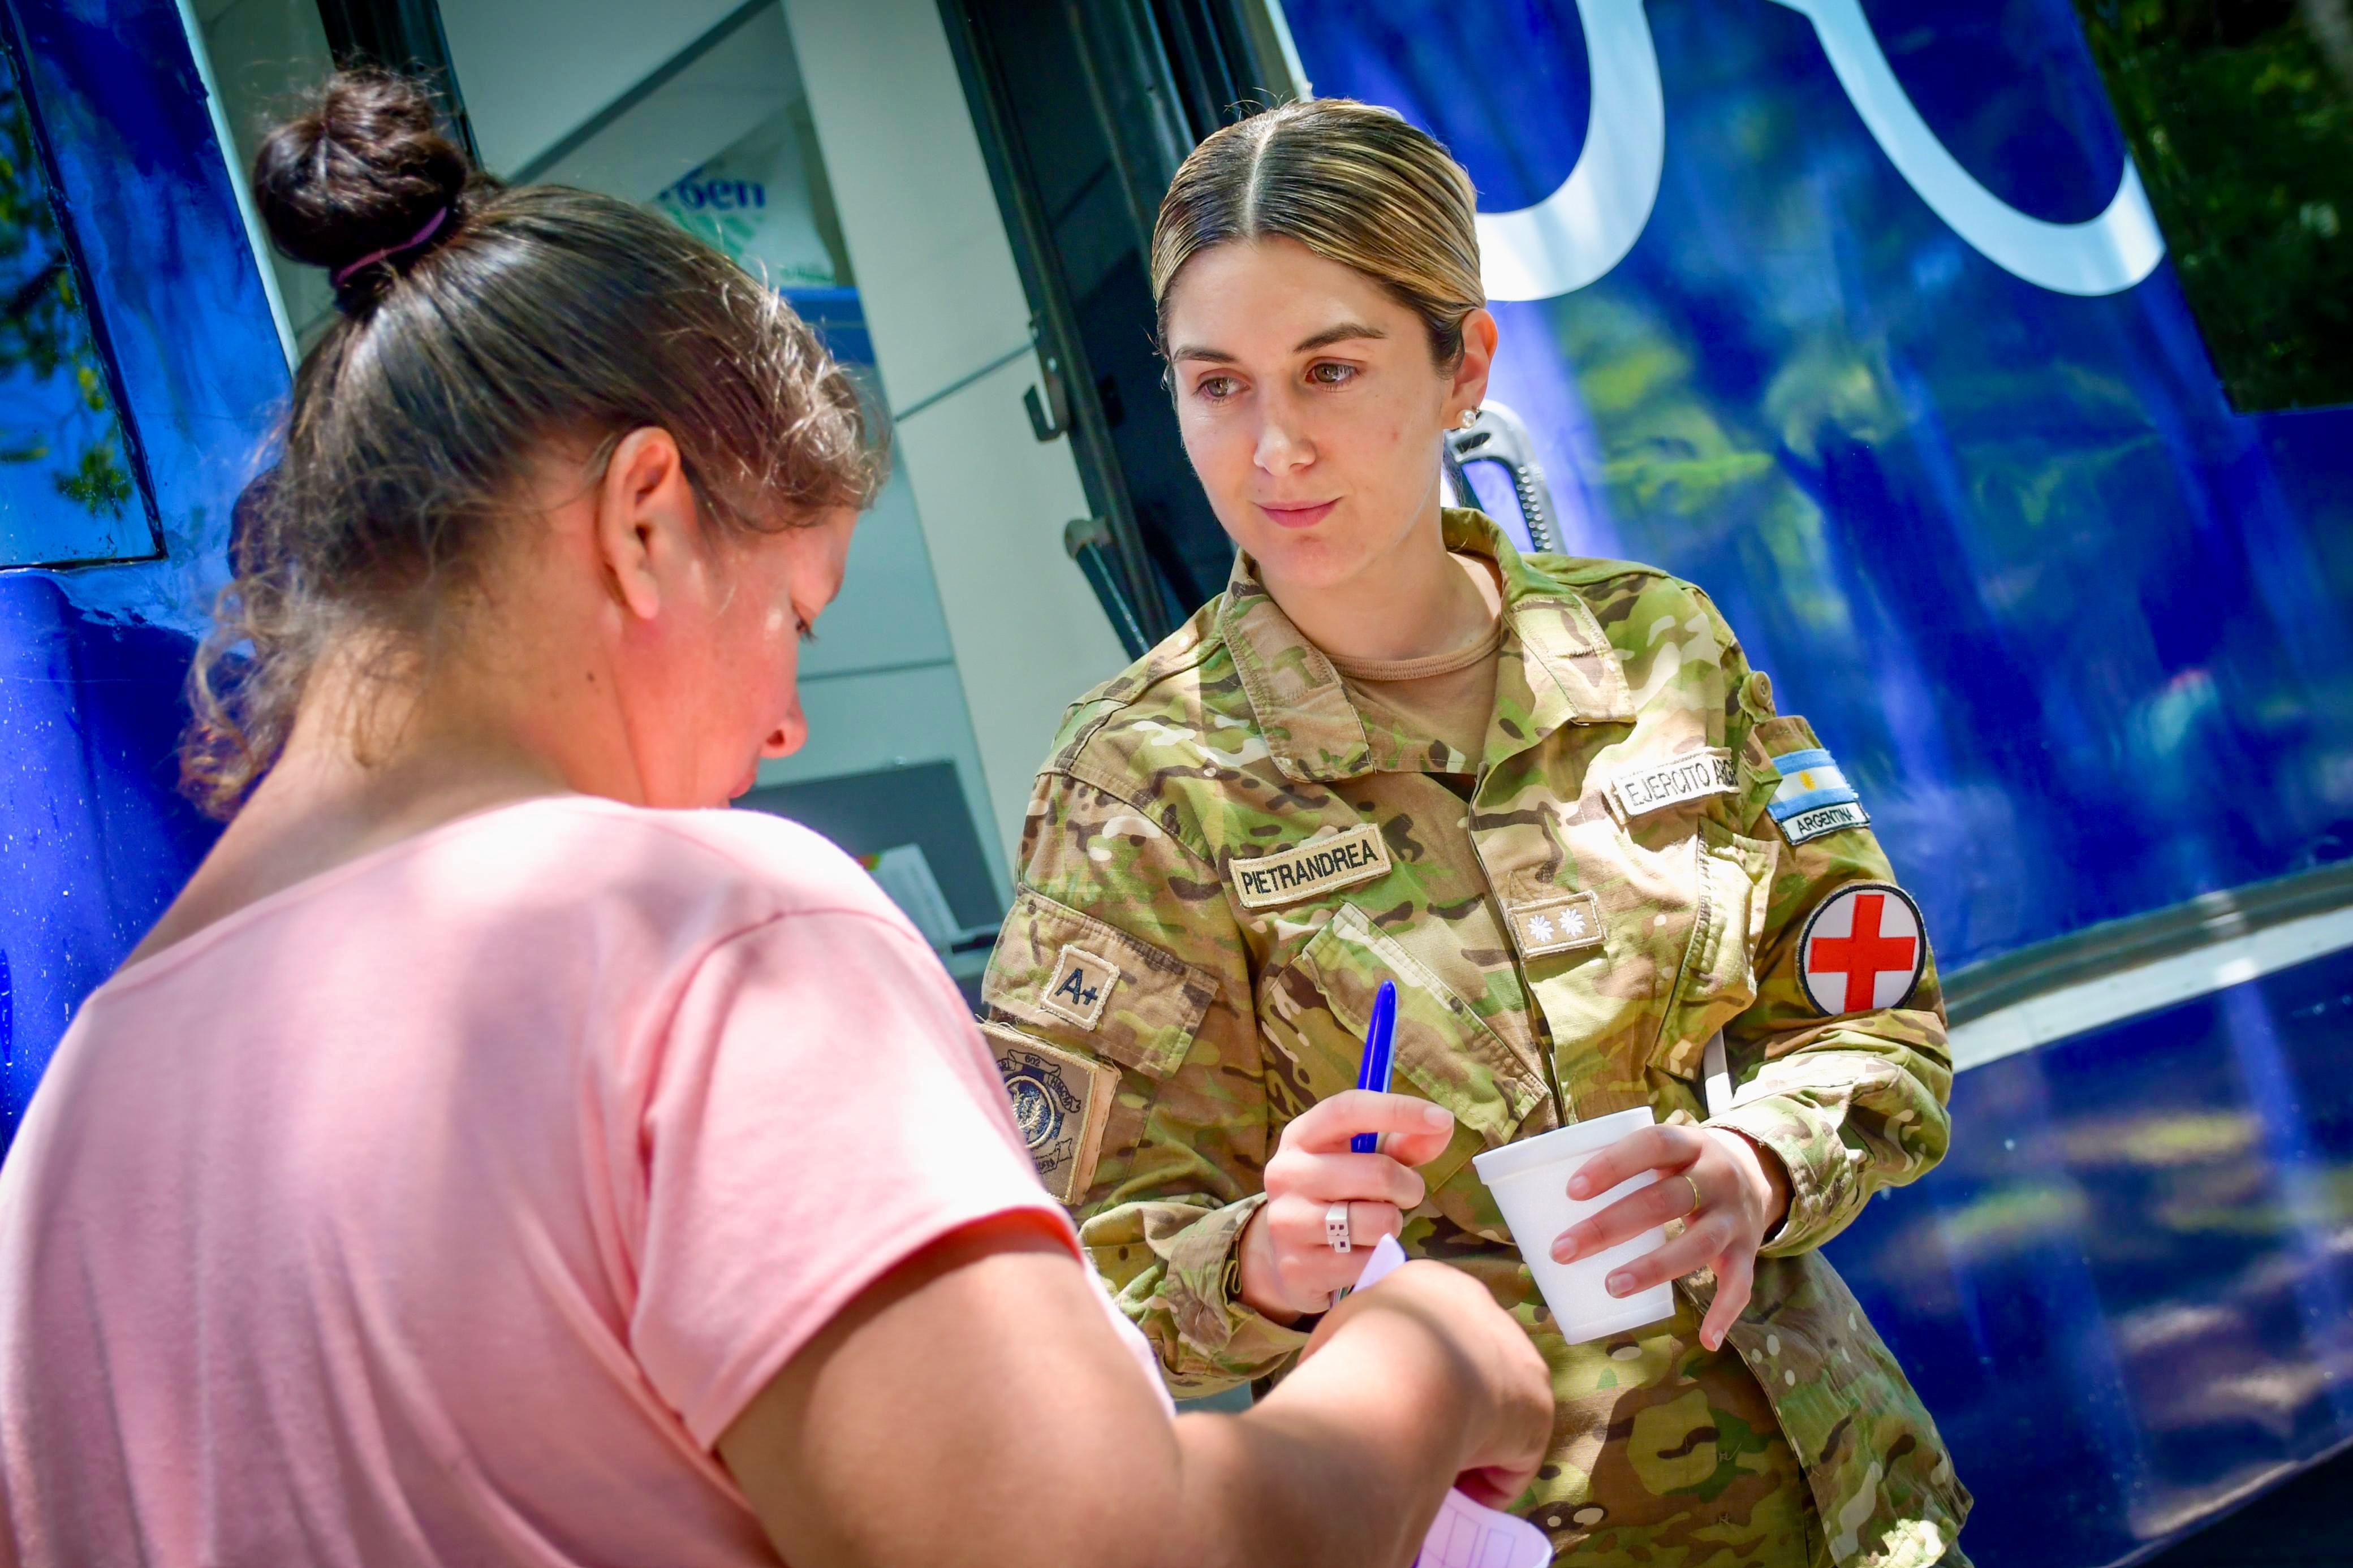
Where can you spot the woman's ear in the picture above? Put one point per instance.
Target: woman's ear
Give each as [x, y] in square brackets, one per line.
[1470, 388]
[647, 523]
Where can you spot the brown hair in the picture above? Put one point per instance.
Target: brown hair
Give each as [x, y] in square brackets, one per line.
[1352, 182]
[462, 347]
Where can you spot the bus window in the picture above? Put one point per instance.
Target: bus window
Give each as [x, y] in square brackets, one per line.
[70, 494]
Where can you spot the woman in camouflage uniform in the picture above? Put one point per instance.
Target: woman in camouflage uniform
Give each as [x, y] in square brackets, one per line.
[1547, 797]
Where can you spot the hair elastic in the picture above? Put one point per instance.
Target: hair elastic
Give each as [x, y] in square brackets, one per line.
[341, 274]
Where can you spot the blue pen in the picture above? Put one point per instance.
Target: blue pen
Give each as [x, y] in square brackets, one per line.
[1375, 1073]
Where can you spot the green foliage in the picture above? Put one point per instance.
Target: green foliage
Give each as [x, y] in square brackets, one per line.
[98, 482]
[54, 403]
[2240, 114]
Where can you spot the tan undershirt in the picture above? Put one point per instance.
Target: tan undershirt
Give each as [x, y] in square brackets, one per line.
[1447, 697]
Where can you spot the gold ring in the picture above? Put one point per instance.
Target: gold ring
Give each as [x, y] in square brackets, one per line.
[1693, 1182]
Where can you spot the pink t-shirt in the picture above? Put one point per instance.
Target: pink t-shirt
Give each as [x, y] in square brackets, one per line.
[446, 1208]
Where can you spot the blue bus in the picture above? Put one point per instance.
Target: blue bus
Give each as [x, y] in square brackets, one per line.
[1984, 362]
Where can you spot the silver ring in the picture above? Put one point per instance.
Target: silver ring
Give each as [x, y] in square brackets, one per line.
[1336, 1227]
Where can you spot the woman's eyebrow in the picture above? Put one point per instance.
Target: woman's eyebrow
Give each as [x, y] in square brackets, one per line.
[1341, 333]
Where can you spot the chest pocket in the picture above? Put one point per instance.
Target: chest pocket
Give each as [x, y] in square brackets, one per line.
[1319, 1007]
[1716, 977]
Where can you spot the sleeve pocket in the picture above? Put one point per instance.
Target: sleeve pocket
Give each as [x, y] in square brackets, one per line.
[1076, 979]
[1718, 977]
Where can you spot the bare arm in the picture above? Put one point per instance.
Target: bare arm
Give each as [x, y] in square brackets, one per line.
[976, 1406]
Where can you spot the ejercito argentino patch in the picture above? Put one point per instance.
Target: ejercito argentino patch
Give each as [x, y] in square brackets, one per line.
[1689, 777]
[1317, 867]
[1061, 1102]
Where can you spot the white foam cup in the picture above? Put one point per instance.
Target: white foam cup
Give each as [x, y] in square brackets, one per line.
[1530, 1181]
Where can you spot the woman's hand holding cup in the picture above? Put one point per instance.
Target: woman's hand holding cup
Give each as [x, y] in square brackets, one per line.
[1289, 1266]
[1729, 1192]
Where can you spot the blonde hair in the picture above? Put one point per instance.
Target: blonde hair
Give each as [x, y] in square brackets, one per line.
[1352, 182]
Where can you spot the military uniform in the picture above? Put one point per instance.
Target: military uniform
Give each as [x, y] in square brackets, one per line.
[1230, 850]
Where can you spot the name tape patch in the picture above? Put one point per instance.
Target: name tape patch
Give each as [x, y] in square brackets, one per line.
[1081, 986]
[1319, 866]
[1061, 1102]
[1688, 777]
[1557, 925]
[1813, 796]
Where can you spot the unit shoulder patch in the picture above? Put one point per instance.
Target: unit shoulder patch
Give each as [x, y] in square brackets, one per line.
[1557, 925]
[1080, 986]
[1813, 796]
[1863, 950]
[1308, 870]
[1695, 775]
[1061, 1102]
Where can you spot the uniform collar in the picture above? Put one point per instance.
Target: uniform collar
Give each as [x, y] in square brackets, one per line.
[1557, 667]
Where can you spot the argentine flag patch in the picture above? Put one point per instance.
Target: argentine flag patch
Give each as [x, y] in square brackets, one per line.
[1813, 797]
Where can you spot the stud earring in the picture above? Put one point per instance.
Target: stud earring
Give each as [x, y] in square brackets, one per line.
[1470, 418]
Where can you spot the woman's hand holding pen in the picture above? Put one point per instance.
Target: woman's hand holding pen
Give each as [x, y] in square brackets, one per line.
[1289, 1267]
[1729, 1192]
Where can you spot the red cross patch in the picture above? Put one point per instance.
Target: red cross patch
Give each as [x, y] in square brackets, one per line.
[1862, 950]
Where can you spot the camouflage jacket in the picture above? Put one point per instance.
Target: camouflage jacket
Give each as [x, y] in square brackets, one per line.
[1224, 858]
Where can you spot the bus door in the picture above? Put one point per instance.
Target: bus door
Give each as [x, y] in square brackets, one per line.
[828, 147]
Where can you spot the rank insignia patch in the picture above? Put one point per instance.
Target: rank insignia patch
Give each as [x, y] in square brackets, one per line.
[1081, 986]
[1557, 925]
[1060, 1101]
[1862, 950]
[1813, 797]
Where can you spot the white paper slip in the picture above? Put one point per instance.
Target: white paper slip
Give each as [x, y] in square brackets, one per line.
[1465, 1534]
[1387, 1260]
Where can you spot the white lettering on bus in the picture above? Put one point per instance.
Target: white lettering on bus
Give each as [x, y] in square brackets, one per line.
[1576, 234]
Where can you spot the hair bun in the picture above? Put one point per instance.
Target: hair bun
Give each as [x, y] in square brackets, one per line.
[360, 170]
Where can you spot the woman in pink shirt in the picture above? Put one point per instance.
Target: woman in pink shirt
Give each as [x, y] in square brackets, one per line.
[494, 1158]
